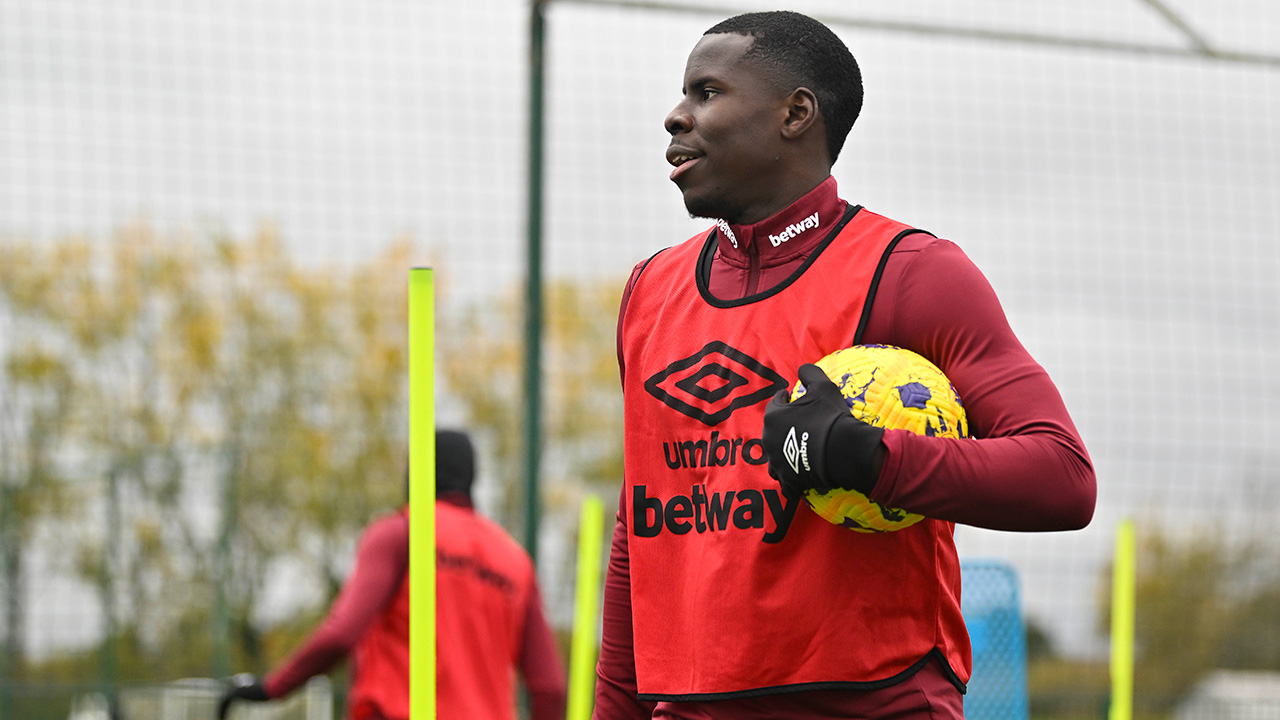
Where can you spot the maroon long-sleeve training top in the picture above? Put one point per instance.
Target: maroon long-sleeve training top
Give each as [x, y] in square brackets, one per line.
[1028, 470]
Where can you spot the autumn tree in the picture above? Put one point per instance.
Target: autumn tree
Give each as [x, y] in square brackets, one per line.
[481, 356]
[199, 412]
[37, 392]
[222, 408]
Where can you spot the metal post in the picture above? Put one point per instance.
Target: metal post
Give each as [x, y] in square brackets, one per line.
[533, 299]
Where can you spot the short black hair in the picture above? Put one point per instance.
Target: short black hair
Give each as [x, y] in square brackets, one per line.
[801, 51]
[455, 462]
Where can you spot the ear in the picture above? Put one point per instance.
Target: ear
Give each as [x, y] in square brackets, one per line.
[802, 113]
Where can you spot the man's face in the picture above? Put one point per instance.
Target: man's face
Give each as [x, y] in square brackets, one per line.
[725, 133]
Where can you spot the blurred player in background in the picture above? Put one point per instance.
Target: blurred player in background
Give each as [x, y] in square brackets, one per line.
[490, 621]
[726, 597]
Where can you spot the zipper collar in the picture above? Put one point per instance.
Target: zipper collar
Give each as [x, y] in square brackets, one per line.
[796, 229]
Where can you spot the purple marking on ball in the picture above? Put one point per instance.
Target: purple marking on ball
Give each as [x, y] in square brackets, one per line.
[914, 395]
[892, 514]
[861, 395]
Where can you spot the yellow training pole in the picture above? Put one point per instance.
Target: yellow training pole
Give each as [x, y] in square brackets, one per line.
[422, 495]
[586, 608]
[1123, 601]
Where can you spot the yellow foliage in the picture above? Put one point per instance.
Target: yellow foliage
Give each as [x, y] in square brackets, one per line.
[211, 367]
[480, 354]
[34, 365]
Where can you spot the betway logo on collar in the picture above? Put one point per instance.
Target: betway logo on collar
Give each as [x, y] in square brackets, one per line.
[793, 230]
[724, 228]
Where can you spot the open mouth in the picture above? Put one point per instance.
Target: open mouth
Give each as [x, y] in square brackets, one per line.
[681, 159]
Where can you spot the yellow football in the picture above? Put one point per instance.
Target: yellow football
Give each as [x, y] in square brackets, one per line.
[892, 388]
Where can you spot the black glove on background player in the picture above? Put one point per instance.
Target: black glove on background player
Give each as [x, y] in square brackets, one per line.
[241, 687]
[815, 443]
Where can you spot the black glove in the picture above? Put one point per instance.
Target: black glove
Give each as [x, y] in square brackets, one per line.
[816, 443]
[241, 687]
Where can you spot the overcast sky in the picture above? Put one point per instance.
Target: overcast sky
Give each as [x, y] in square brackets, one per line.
[1124, 205]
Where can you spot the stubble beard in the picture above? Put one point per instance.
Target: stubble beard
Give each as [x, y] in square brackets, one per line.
[707, 208]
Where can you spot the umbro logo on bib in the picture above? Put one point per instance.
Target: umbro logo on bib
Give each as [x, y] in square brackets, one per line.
[712, 383]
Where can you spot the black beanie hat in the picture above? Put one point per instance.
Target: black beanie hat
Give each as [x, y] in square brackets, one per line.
[455, 462]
